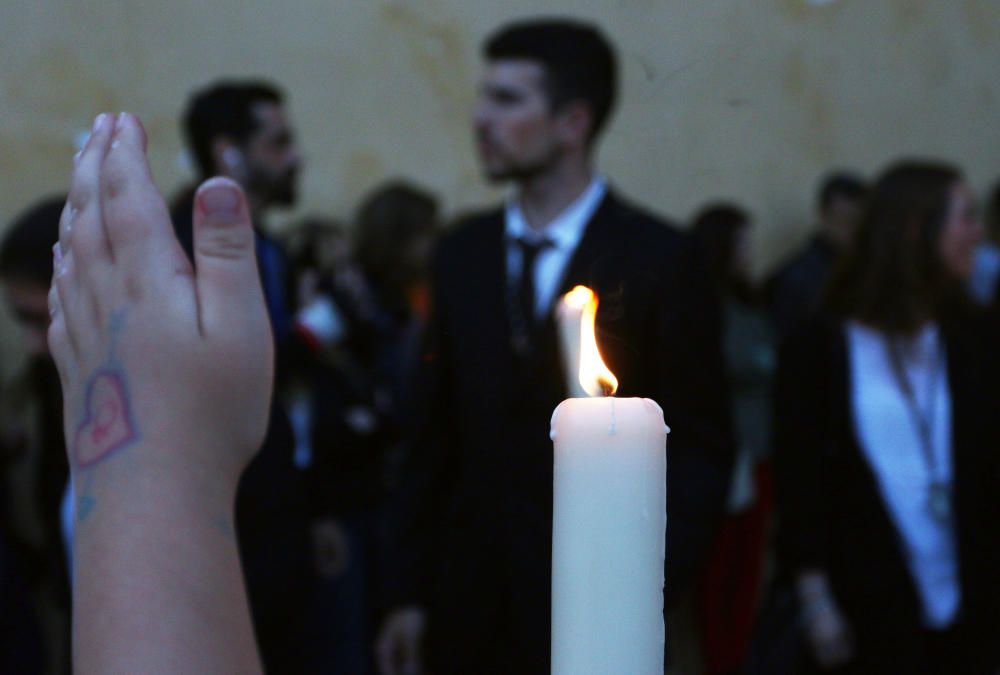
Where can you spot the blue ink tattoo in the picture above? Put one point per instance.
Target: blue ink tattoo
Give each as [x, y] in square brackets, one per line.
[107, 425]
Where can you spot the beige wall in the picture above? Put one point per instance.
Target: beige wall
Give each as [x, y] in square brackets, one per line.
[750, 99]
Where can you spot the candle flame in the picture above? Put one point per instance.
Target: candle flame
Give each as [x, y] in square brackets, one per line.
[595, 377]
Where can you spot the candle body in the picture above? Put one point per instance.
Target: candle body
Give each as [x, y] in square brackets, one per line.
[608, 537]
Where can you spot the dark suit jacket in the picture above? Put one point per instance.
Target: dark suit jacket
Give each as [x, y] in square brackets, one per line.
[833, 516]
[474, 517]
[795, 291]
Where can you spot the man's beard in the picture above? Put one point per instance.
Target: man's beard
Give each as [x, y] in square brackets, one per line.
[520, 171]
[284, 193]
[276, 191]
[517, 173]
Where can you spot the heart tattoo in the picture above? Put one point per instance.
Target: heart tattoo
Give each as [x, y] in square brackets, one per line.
[107, 425]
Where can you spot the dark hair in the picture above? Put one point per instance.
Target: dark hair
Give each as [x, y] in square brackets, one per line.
[389, 221]
[893, 277]
[716, 227]
[26, 251]
[579, 62]
[840, 185]
[223, 109]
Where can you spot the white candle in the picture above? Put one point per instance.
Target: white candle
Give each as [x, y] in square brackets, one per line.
[609, 526]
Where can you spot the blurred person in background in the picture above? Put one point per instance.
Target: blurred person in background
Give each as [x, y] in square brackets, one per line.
[360, 314]
[885, 440]
[396, 226]
[328, 393]
[240, 129]
[729, 587]
[468, 579]
[332, 300]
[33, 466]
[795, 290]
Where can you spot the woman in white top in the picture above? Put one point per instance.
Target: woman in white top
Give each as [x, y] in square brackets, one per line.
[887, 436]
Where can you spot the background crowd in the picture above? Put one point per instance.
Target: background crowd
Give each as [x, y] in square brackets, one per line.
[834, 462]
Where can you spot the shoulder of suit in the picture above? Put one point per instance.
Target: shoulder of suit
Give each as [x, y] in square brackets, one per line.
[471, 229]
[637, 223]
[465, 242]
[641, 220]
[800, 266]
[647, 231]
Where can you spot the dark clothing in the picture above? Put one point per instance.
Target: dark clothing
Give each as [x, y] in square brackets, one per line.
[21, 645]
[833, 516]
[751, 359]
[271, 503]
[340, 626]
[992, 311]
[729, 588]
[475, 511]
[42, 386]
[348, 435]
[34, 472]
[795, 291]
[352, 395]
[272, 529]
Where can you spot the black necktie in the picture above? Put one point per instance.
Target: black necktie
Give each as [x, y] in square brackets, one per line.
[523, 301]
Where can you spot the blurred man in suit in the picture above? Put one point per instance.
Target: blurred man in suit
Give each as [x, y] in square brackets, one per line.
[469, 576]
[795, 291]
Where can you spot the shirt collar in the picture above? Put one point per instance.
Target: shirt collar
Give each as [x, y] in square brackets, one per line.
[566, 230]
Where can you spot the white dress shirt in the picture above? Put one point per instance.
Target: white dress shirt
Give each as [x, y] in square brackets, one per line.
[564, 232]
[891, 443]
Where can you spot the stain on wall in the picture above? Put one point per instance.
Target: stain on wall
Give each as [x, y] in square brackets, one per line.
[437, 46]
[750, 101]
